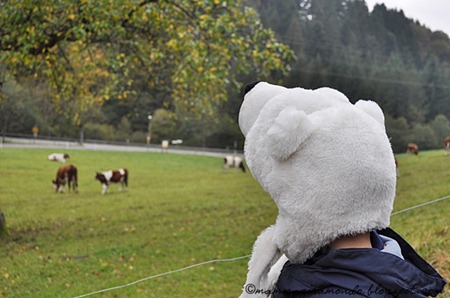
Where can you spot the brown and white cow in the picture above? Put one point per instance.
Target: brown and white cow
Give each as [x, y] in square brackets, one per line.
[412, 148]
[61, 157]
[234, 162]
[67, 173]
[114, 176]
[447, 145]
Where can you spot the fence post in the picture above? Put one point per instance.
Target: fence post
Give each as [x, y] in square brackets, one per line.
[3, 230]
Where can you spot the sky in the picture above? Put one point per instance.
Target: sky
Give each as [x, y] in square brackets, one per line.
[433, 14]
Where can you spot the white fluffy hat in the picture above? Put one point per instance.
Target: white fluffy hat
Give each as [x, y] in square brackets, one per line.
[327, 164]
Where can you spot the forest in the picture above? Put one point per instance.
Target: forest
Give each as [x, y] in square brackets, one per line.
[97, 70]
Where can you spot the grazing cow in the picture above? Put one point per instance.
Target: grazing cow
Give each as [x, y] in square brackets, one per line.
[116, 176]
[412, 148]
[61, 157]
[234, 162]
[447, 145]
[67, 173]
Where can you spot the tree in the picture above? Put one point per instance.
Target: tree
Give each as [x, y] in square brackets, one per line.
[441, 127]
[91, 51]
[399, 133]
[282, 18]
[435, 80]
[16, 111]
[164, 126]
[424, 136]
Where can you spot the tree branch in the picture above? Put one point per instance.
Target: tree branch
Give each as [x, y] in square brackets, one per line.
[51, 39]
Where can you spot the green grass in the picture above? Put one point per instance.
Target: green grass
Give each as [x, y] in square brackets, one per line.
[179, 210]
[423, 178]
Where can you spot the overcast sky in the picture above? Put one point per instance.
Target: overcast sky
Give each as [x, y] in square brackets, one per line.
[434, 14]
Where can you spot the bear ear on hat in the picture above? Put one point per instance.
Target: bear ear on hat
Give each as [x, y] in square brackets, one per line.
[256, 95]
[288, 131]
[371, 108]
[250, 86]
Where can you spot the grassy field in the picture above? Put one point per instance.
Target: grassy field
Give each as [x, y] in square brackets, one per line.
[179, 210]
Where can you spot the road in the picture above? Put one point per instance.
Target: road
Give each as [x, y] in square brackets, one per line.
[11, 142]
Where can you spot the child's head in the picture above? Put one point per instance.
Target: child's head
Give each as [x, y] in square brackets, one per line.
[327, 164]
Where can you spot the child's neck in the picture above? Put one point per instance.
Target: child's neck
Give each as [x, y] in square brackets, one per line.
[356, 241]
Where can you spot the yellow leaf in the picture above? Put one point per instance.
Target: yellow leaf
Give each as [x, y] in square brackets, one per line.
[6, 276]
[171, 43]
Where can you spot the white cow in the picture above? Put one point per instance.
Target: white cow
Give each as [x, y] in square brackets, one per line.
[61, 157]
[234, 162]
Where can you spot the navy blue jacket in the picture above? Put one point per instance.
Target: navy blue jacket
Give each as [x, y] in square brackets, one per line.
[364, 272]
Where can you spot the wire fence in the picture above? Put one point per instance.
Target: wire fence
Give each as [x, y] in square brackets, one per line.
[230, 259]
